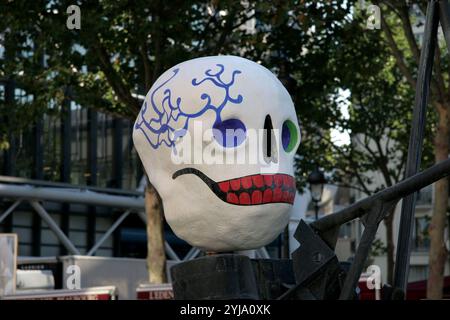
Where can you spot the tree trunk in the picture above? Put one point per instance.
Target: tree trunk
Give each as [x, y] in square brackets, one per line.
[156, 255]
[438, 252]
[388, 222]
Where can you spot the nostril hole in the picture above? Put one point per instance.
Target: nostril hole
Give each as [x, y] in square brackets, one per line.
[268, 127]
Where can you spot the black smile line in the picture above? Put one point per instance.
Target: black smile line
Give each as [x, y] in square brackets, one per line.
[207, 180]
[210, 182]
[224, 194]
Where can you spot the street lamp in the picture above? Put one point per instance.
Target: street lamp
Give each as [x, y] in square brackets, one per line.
[316, 182]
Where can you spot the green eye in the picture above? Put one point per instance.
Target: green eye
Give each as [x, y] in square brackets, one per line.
[289, 136]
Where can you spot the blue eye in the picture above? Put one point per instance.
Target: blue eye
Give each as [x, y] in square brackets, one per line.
[229, 133]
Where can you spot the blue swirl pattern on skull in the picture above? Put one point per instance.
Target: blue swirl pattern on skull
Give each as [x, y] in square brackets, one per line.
[167, 115]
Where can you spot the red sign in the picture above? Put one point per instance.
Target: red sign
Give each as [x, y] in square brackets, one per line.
[155, 292]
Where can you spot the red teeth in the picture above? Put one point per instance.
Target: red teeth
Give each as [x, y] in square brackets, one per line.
[256, 197]
[259, 189]
[287, 181]
[247, 182]
[278, 180]
[258, 180]
[277, 195]
[268, 180]
[224, 186]
[244, 198]
[232, 198]
[267, 197]
[235, 184]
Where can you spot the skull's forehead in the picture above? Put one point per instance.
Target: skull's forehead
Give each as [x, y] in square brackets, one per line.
[211, 80]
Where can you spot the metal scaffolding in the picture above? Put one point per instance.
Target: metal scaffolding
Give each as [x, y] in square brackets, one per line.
[34, 192]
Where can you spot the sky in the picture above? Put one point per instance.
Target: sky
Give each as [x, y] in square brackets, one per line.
[339, 136]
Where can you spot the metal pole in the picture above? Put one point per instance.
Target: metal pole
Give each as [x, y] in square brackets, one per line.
[73, 196]
[9, 210]
[170, 252]
[108, 233]
[263, 253]
[415, 143]
[54, 227]
[193, 252]
[357, 266]
[396, 192]
[444, 15]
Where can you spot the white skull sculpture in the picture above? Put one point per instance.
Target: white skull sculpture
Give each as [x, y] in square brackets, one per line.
[213, 205]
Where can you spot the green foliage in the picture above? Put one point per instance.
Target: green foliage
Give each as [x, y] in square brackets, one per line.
[122, 47]
[380, 109]
[377, 249]
[317, 48]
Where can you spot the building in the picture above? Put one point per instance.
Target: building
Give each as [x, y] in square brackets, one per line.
[424, 203]
[77, 148]
[81, 148]
[352, 231]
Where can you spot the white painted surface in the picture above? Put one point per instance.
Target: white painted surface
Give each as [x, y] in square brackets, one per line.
[192, 210]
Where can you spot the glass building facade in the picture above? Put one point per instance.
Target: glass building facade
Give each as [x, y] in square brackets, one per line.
[78, 146]
[82, 147]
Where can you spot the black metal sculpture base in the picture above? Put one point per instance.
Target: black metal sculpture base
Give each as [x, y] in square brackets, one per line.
[231, 276]
[225, 276]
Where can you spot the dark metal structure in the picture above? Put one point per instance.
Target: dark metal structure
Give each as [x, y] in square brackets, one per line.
[318, 275]
[317, 272]
[416, 140]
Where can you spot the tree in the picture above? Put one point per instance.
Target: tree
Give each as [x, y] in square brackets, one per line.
[377, 68]
[379, 106]
[121, 49]
[338, 54]
[379, 124]
[119, 52]
[397, 20]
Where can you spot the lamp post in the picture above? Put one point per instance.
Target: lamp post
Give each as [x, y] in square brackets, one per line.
[316, 181]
